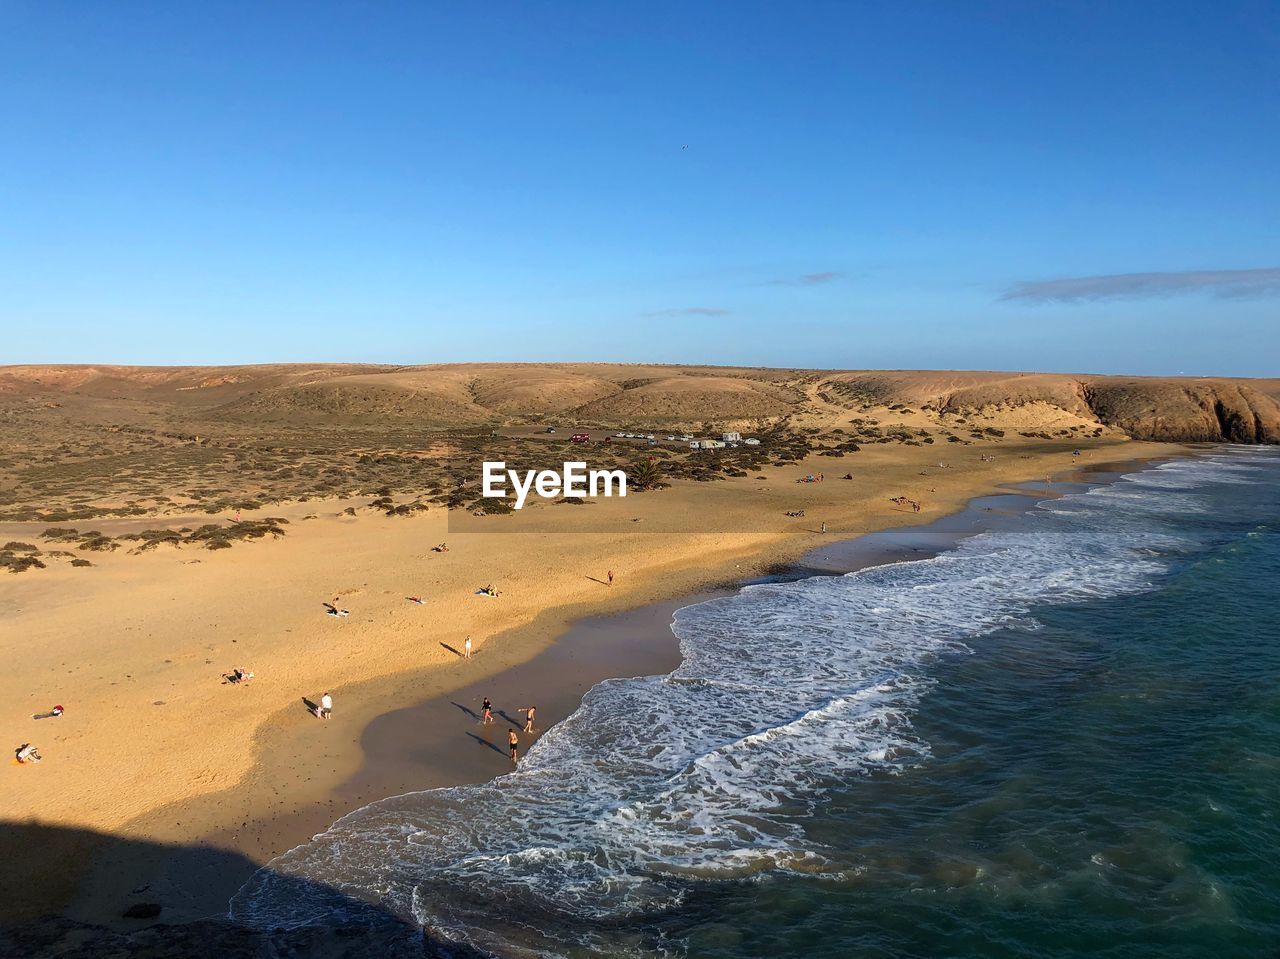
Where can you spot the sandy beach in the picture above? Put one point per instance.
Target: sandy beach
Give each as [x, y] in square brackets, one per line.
[154, 746]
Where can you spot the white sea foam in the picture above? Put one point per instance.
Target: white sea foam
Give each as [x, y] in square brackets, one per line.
[710, 773]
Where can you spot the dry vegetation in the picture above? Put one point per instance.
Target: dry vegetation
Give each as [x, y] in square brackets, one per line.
[88, 443]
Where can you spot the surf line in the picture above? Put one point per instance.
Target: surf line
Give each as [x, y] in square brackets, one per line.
[574, 480]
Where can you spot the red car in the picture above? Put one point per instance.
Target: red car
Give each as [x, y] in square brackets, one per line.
[580, 438]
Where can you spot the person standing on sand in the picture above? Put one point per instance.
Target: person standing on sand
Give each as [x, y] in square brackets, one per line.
[824, 526]
[486, 711]
[513, 741]
[326, 706]
[528, 721]
[610, 576]
[466, 648]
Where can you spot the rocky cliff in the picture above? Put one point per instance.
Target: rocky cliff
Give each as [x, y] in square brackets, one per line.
[1185, 411]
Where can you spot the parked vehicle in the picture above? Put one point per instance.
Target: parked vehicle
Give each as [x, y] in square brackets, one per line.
[580, 438]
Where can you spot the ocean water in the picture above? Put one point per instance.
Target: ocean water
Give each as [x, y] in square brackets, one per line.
[1057, 739]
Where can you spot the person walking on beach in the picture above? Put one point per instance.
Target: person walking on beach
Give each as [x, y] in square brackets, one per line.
[513, 741]
[610, 576]
[824, 526]
[528, 721]
[326, 706]
[466, 648]
[486, 711]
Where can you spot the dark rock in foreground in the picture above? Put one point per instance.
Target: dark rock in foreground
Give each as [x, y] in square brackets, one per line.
[217, 939]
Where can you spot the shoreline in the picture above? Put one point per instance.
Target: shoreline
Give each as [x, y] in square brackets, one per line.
[401, 749]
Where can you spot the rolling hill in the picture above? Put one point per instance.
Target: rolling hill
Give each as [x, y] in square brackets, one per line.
[603, 395]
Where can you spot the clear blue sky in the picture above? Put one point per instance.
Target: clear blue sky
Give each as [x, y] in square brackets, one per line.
[1061, 186]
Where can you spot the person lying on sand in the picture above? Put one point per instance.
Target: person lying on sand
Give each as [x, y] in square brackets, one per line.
[238, 676]
[51, 714]
[333, 610]
[418, 600]
[489, 590]
[27, 753]
[440, 548]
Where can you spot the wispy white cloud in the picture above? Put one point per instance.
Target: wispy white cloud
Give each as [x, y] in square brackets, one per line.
[810, 279]
[1222, 283]
[691, 311]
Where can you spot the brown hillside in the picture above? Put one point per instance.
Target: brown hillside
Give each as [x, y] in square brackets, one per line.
[442, 396]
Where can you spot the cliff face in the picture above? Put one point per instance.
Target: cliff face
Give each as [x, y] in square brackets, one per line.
[1180, 411]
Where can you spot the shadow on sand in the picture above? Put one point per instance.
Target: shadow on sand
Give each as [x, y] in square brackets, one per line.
[45, 865]
[484, 742]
